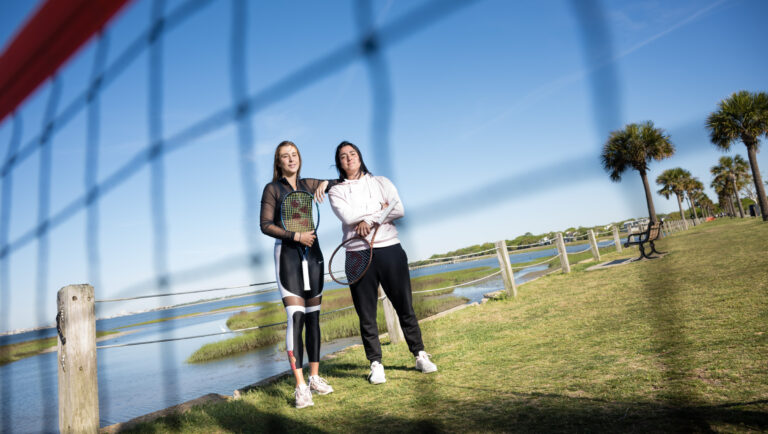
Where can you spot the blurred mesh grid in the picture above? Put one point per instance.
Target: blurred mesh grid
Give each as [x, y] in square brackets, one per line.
[370, 47]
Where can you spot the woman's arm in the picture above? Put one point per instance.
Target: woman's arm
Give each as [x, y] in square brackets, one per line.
[319, 187]
[389, 192]
[269, 206]
[345, 210]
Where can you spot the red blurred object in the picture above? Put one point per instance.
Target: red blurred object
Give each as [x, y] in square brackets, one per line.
[709, 219]
[51, 36]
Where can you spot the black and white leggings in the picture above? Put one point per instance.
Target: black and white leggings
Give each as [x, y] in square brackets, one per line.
[301, 307]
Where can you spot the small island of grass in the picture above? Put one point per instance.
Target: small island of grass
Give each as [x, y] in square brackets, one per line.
[336, 325]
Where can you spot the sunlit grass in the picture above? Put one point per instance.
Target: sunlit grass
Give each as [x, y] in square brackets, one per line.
[677, 344]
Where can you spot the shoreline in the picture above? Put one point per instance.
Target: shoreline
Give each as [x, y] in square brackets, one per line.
[237, 393]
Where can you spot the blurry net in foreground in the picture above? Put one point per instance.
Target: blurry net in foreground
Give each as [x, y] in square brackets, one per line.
[368, 47]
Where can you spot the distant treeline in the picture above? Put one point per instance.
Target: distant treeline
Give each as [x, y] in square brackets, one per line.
[528, 239]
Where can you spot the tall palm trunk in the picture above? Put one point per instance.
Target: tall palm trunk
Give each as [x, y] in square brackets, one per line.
[693, 205]
[680, 207]
[690, 205]
[732, 178]
[761, 199]
[649, 198]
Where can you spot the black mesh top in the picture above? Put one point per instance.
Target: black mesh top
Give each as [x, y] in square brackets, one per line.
[272, 198]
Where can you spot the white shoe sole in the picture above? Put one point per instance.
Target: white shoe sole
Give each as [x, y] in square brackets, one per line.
[377, 382]
[305, 405]
[317, 392]
[427, 370]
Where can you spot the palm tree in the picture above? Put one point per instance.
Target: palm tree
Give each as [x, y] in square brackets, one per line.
[721, 186]
[734, 174]
[692, 187]
[706, 203]
[633, 148]
[743, 116]
[672, 181]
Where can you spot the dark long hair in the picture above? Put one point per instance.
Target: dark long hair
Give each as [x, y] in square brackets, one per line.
[277, 172]
[342, 174]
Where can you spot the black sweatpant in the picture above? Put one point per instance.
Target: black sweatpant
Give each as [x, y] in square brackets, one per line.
[389, 268]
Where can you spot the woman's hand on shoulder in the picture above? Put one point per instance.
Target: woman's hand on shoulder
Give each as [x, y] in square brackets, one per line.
[320, 192]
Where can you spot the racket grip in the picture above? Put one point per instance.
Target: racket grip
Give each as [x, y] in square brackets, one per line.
[305, 273]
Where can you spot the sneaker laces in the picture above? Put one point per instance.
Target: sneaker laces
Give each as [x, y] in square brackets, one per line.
[318, 380]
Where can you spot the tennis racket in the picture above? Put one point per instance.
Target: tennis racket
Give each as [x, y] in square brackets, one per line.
[355, 263]
[298, 215]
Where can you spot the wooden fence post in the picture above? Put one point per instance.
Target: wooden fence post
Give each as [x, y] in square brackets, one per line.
[78, 384]
[593, 245]
[506, 268]
[616, 239]
[390, 316]
[563, 254]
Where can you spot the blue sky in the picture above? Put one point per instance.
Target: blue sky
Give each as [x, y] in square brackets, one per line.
[494, 129]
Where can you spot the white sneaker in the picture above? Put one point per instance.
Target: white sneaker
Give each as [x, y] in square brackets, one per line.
[303, 396]
[318, 385]
[423, 363]
[377, 373]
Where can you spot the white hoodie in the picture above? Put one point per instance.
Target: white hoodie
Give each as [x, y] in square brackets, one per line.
[356, 200]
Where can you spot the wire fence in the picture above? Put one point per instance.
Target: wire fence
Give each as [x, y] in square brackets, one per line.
[369, 45]
[282, 323]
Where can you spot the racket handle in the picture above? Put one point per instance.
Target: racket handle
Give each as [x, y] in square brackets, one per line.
[387, 210]
[305, 273]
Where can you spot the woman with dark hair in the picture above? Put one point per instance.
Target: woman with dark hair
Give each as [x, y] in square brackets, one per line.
[302, 307]
[358, 200]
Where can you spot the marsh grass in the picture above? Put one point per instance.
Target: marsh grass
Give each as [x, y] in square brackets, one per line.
[336, 325]
[677, 344]
[13, 352]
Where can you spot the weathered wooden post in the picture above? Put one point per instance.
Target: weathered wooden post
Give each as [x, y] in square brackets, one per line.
[390, 316]
[78, 384]
[506, 268]
[616, 239]
[593, 245]
[563, 254]
[685, 225]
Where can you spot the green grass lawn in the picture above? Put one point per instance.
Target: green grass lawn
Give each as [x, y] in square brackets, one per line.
[673, 344]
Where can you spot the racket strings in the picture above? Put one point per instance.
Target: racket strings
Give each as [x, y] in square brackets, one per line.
[297, 212]
[356, 263]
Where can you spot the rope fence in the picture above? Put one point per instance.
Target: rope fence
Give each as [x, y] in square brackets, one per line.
[453, 258]
[100, 347]
[536, 264]
[580, 251]
[493, 274]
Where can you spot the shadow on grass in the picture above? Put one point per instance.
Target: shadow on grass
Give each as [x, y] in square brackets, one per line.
[500, 409]
[233, 416]
[506, 412]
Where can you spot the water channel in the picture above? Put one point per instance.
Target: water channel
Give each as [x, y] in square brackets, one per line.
[137, 380]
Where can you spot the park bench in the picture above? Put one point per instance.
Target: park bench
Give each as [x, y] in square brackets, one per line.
[650, 235]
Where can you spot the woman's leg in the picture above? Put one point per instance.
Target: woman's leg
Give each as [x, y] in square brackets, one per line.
[312, 333]
[287, 261]
[365, 295]
[392, 264]
[293, 344]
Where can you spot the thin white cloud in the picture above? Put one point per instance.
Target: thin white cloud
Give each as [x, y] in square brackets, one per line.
[550, 88]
